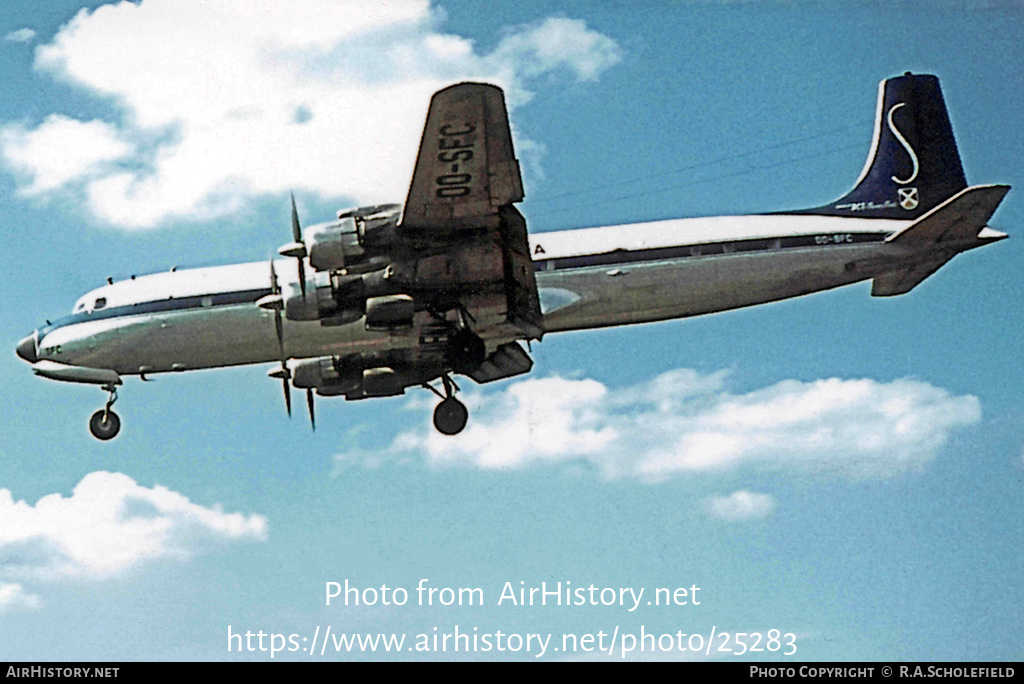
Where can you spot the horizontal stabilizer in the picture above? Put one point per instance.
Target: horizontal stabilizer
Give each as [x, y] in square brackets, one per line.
[956, 224]
[959, 218]
[905, 280]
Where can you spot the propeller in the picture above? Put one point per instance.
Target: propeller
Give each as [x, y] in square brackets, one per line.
[275, 302]
[296, 248]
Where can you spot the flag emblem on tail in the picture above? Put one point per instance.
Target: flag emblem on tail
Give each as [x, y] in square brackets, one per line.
[908, 198]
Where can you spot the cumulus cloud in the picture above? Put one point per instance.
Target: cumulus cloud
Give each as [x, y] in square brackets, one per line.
[108, 525]
[682, 422]
[741, 505]
[60, 150]
[13, 595]
[222, 102]
[20, 36]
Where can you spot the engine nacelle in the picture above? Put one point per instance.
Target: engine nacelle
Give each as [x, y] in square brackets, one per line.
[390, 311]
[359, 236]
[335, 377]
[336, 299]
[322, 302]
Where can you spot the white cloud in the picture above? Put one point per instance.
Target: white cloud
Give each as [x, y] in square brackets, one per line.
[20, 36]
[556, 43]
[13, 595]
[230, 100]
[741, 505]
[108, 525]
[59, 151]
[684, 423]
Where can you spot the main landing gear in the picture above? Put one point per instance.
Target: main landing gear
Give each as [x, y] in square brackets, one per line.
[465, 353]
[105, 424]
[451, 415]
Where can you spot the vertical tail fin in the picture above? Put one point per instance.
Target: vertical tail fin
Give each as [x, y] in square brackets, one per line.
[913, 165]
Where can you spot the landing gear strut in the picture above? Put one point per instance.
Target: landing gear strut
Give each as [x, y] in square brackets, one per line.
[105, 424]
[451, 415]
[466, 352]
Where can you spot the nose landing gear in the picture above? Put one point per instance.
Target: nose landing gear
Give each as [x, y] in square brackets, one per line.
[105, 424]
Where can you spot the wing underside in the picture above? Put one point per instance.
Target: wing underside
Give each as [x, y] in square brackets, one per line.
[466, 168]
[460, 206]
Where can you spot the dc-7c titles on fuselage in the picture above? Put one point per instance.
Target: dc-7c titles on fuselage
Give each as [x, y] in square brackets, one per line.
[394, 296]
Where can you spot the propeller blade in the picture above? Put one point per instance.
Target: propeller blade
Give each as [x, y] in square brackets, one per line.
[296, 228]
[309, 403]
[287, 396]
[302, 278]
[279, 326]
[297, 241]
[284, 375]
[274, 297]
[274, 301]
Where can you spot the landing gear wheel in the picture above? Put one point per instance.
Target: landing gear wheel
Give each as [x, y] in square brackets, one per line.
[450, 416]
[104, 424]
[466, 352]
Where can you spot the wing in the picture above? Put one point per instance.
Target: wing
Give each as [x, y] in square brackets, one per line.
[460, 205]
[466, 168]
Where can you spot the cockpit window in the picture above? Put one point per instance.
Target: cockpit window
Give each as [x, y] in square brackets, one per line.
[100, 303]
[80, 307]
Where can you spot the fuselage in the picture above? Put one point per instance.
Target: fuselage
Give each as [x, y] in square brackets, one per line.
[595, 277]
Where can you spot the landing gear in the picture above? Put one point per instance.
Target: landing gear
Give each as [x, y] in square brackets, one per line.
[451, 415]
[466, 352]
[105, 424]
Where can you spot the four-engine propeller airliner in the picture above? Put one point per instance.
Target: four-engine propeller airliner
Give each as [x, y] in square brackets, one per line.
[388, 297]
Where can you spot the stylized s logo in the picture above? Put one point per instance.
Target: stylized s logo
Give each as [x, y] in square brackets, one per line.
[906, 145]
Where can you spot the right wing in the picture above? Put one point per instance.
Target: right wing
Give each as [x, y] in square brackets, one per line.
[463, 188]
[466, 168]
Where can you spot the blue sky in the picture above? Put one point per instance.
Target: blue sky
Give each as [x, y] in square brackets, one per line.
[859, 462]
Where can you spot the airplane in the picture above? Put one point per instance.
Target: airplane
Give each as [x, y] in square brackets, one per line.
[388, 297]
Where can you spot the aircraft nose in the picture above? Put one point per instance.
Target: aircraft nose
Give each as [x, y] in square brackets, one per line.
[27, 349]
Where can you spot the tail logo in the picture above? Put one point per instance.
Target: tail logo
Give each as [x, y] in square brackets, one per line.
[908, 198]
[910, 151]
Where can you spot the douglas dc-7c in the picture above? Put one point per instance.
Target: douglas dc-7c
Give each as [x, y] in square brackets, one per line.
[392, 296]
